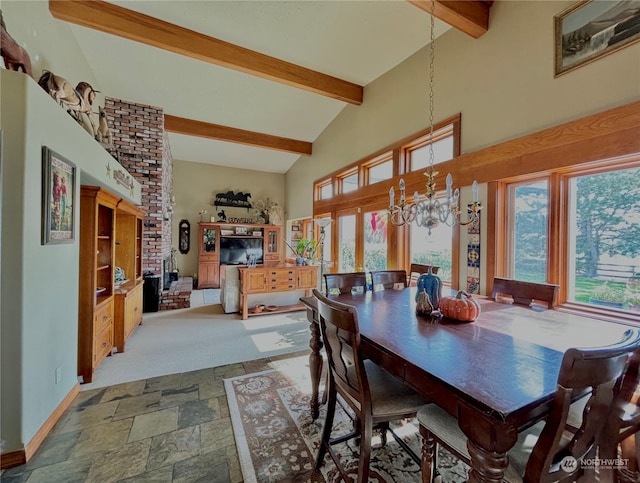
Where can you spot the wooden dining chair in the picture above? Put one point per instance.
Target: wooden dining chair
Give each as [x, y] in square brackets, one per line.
[619, 435]
[387, 279]
[417, 269]
[375, 396]
[525, 292]
[344, 283]
[595, 369]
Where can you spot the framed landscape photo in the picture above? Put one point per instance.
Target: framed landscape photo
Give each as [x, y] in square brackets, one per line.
[591, 29]
[58, 198]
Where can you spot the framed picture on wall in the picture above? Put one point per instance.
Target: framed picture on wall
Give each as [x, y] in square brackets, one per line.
[591, 29]
[58, 198]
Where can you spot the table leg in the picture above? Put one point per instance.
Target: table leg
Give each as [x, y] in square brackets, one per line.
[245, 309]
[315, 367]
[486, 466]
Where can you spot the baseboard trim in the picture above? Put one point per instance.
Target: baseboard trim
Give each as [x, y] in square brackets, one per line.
[20, 457]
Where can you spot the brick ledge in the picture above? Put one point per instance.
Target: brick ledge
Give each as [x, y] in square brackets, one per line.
[178, 296]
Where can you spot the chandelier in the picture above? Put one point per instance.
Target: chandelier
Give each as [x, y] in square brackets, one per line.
[431, 211]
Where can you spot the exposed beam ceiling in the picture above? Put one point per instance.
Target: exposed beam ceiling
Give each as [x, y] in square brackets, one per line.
[129, 24]
[190, 127]
[469, 17]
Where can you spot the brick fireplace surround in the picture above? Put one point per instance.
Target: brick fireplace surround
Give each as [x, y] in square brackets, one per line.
[142, 148]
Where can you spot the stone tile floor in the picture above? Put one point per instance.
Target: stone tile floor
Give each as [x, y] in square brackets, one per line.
[173, 428]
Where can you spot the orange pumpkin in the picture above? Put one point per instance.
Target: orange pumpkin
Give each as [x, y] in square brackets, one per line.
[461, 307]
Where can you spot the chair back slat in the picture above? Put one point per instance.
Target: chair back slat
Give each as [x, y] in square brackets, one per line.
[386, 279]
[345, 283]
[525, 292]
[417, 269]
[341, 337]
[598, 371]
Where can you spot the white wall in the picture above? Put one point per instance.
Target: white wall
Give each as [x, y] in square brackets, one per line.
[39, 288]
[195, 186]
[503, 84]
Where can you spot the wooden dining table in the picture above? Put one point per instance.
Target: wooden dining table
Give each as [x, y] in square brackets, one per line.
[496, 375]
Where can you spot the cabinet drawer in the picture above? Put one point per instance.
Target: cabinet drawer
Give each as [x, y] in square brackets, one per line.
[103, 317]
[208, 258]
[102, 344]
[281, 287]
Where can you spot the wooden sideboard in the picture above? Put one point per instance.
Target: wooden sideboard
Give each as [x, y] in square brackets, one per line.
[277, 278]
[211, 257]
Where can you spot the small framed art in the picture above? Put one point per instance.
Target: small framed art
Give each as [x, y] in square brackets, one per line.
[58, 198]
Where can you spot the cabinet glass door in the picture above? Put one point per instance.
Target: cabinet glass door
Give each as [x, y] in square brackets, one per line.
[209, 240]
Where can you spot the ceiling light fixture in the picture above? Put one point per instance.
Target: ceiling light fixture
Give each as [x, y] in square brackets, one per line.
[430, 212]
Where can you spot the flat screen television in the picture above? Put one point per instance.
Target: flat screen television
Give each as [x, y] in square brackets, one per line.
[236, 251]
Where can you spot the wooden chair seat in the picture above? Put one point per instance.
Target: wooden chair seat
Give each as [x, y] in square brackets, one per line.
[539, 447]
[387, 279]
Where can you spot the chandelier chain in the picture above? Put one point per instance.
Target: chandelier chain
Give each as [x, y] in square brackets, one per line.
[431, 211]
[431, 77]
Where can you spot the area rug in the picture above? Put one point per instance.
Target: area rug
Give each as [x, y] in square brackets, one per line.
[211, 295]
[277, 440]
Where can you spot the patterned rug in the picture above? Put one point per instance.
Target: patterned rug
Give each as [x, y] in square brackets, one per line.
[278, 441]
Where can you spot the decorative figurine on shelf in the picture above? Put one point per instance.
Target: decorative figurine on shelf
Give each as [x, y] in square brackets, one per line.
[78, 101]
[104, 135]
[222, 215]
[15, 57]
[432, 285]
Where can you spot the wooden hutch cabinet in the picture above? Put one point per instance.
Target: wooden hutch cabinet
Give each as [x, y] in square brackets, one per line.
[208, 259]
[110, 237]
[128, 294]
[216, 239]
[97, 252]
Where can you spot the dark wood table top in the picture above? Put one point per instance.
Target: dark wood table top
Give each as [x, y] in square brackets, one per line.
[505, 364]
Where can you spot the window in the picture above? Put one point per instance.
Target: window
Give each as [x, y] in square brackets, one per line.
[347, 243]
[356, 197]
[527, 256]
[434, 249]
[443, 149]
[375, 240]
[603, 239]
[349, 182]
[325, 190]
[379, 170]
[593, 252]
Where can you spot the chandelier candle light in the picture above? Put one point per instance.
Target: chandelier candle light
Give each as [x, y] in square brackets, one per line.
[430, 212]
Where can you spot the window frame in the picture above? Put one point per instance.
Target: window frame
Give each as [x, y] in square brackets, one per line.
[557, 226]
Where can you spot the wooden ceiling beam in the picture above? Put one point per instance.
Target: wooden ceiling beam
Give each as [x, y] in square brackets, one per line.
[468, 16]
[115, 20]
[190, 127]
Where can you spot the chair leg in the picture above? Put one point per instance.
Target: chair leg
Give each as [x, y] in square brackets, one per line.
[428, 461]
[328, 426]
[384, 428]
[365, 450]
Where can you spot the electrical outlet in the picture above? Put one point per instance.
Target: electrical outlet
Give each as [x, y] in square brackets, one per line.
[58, 374]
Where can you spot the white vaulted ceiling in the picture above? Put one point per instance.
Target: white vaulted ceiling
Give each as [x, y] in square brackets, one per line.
[356, 41]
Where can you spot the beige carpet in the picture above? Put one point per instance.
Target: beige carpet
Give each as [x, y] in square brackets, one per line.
[176, 341]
